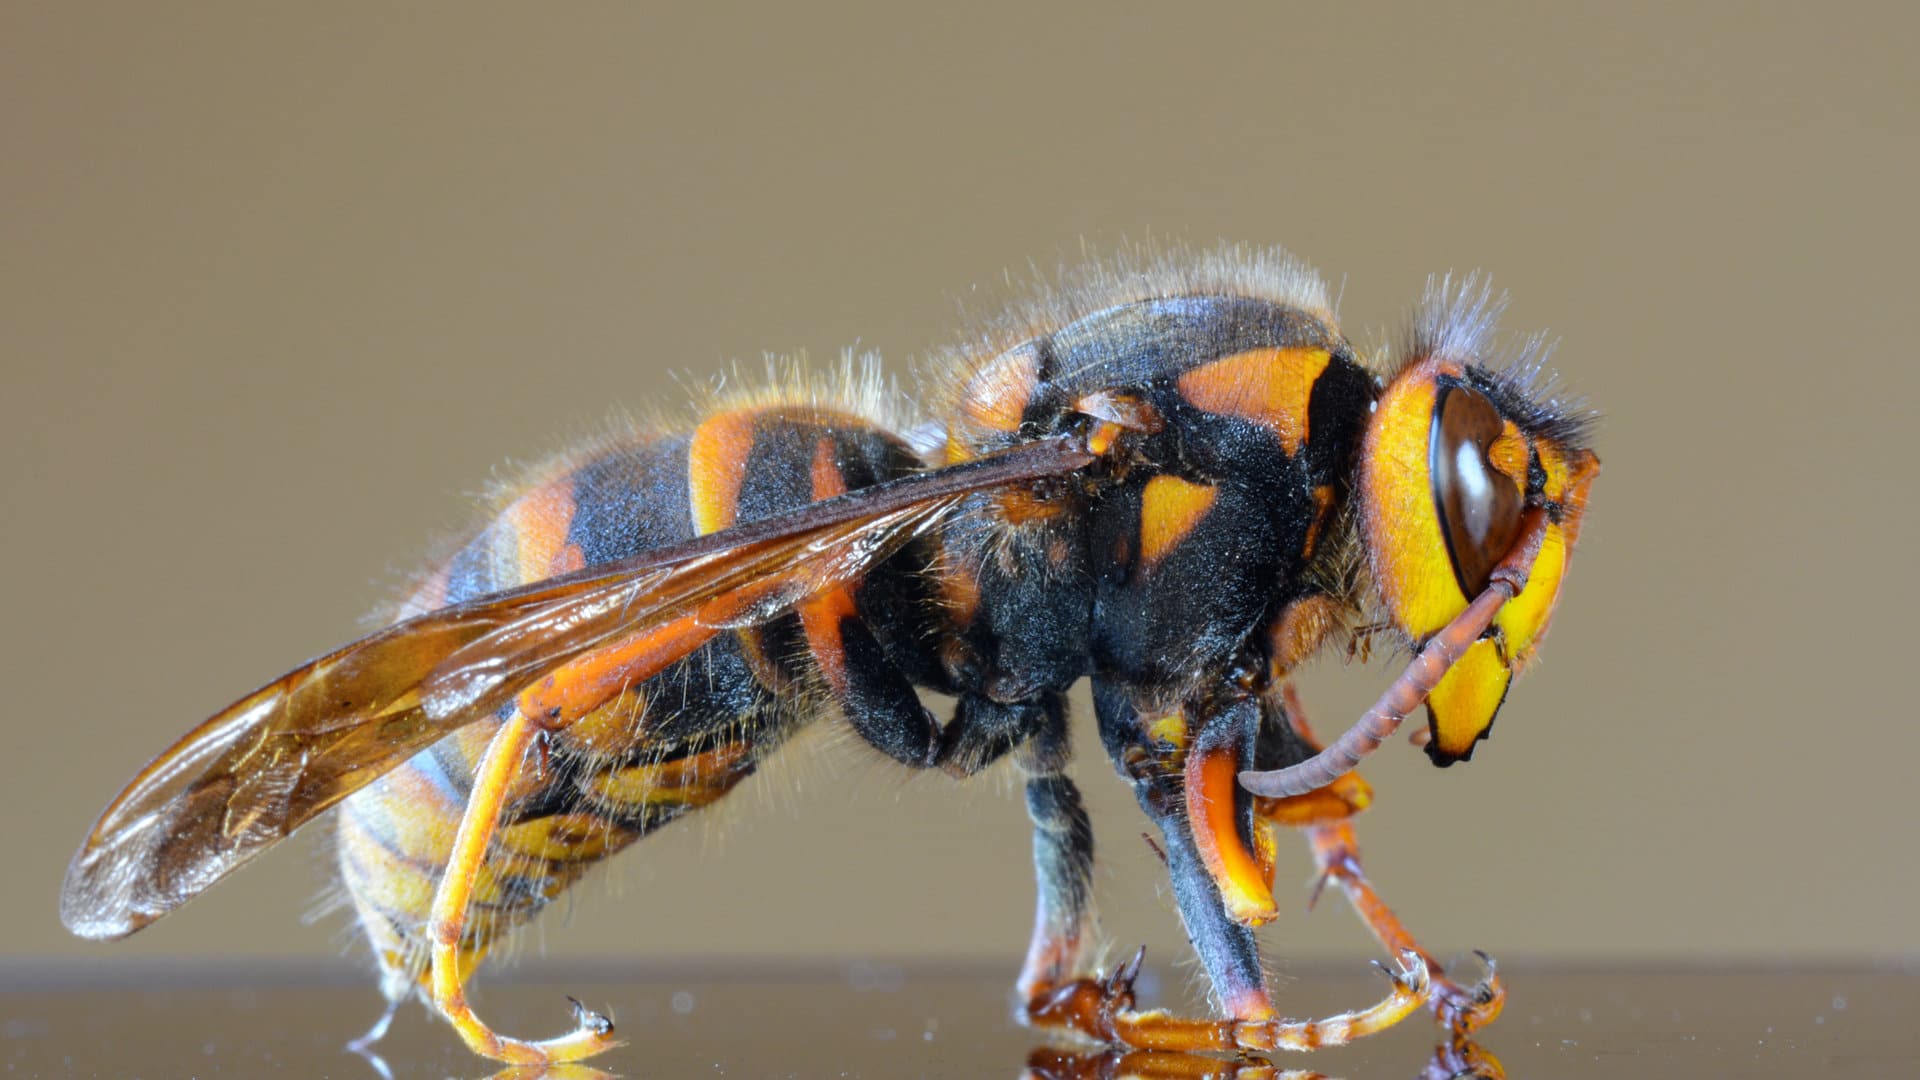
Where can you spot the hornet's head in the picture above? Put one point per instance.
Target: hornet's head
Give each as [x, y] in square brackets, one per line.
[1454, 453]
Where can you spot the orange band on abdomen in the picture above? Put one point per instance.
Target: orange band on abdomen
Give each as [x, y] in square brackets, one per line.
[716, 465]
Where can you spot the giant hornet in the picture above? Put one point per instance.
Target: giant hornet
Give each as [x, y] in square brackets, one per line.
[1173, 476]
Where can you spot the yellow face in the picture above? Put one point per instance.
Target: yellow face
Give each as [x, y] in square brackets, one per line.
[1452, 457]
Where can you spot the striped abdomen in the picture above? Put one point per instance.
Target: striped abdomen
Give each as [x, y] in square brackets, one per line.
[655, 751]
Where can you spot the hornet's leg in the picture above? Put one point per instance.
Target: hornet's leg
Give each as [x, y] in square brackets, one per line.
[1460, 1058]
[1325, 816]
[593, 1033]
[1462, 1009]
[1104, 1008]
[1052, 1063]
[570, 692]
[1062, 863]
[880, 704]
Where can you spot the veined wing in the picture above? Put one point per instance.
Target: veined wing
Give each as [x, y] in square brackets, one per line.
[253, 773]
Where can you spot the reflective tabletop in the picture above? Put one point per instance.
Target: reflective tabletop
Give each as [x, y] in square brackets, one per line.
[928, 1020]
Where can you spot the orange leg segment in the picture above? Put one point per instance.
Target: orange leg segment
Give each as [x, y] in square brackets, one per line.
[593, 1033]
[1462, 1009]
[1244, 877]
[571, 692]
[1103, 1009]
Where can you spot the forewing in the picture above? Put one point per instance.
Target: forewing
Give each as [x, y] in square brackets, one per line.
[248, 777]
[244, 779]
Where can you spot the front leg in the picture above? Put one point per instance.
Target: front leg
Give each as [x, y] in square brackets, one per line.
[1103, 1009]
[1325, 816]
[1463, 1009]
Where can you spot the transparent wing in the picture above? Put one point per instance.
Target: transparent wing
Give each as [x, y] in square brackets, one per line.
[245, 779]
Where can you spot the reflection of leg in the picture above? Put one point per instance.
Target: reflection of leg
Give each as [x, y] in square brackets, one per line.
[1463, 1009]
[364, 1044]
[1053, 1063]
[491, 781]
[1460, 1058]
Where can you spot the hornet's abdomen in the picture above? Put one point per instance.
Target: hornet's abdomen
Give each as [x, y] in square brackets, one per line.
[672, 744]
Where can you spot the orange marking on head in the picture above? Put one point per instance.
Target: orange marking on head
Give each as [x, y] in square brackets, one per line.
[1509, 454]
[1572, 492]
[540, 521]
[716, 465]
[1409, 556]
[1463, 704]
[1212, 785]
[1169, 509]
[1525, 618]
[1268, 386]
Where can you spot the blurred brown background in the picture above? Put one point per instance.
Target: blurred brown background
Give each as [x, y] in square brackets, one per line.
[282, 288]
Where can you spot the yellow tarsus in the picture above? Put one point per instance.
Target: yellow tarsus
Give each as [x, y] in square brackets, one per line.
[593, 1033]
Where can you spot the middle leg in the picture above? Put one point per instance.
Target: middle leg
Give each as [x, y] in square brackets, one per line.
[1062, 864]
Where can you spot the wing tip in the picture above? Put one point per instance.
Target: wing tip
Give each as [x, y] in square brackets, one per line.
[88, 911]
[91, 921]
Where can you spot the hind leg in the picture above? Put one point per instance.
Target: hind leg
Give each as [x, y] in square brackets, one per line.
[570, 693]
[592, 1033]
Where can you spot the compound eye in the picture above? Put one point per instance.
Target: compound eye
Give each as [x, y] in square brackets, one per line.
[1479, 506]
